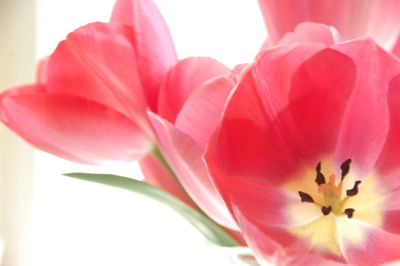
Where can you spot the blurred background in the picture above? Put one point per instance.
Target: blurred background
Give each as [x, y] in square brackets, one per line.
[47, 219]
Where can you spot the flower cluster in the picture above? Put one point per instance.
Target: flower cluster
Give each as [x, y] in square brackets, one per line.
[296, 154]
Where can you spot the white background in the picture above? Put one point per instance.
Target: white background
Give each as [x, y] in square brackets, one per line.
[84, 224]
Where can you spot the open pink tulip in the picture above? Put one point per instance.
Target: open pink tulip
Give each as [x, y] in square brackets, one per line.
[90, 104]
[191, 103]
[307, 155]
[378, 19]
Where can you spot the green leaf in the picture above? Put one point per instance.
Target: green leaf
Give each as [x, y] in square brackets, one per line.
[211, 230]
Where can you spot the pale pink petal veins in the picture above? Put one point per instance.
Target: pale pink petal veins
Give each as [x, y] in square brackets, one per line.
[152, 42]
[376, 248]
[283, 248]
[352, 18]
[98, 62]
[156, 174]
[366, 121]
[185, 158]
[74, 128]
[185, 77]
[276, 246]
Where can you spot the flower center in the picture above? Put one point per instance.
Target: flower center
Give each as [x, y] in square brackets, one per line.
[335, 208]
[333, 200]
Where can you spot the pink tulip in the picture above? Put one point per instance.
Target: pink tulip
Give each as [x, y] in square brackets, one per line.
[192, 99]
[307, 154]
[104, 94]
[93, 92]
[378, 19]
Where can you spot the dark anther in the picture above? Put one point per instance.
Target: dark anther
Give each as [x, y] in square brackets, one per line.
[354, 190]
[318, 168]
[326, 210]
[345, 167]
[320, 179]
[305, 197]
[349, 212]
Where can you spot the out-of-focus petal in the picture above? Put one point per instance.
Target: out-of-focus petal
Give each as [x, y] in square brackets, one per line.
[366, 120]
[185, 158]
[352, 18]
[152, 42]
[373, 247]
[261, 136]
[74, 128]
[396, 48]
[155, 173]
[98, 62]
[203, 109]
[312, 32]
[188, 75]
[308, 32]
[29, 89]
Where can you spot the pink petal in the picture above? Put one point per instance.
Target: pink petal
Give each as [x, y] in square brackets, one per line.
[185, 158]
[202, 111]
[263, 246]
[74, 128]
[183, 79]
[152, 42]
[355, 18]
[396, 48]
[97, 62]
[258, 201]
[392, 221]
[275, 246]
[366, 120]
[24, 90]
[156, 174]
[298, 256]
[388, 165]
[378, 247]
[276, 68]
[389, 160]
[308, 32]
[262, 136]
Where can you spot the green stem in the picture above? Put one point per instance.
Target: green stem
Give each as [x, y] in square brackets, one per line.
[157, 153]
